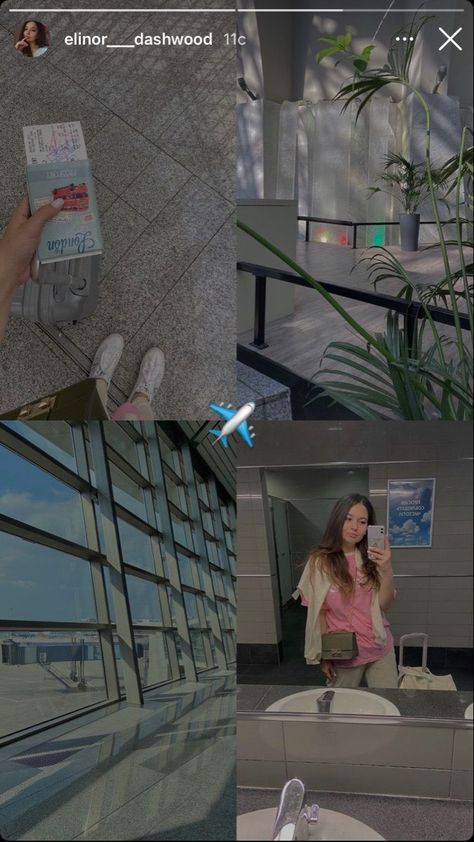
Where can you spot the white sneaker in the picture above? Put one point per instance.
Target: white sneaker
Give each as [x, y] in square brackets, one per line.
[106, 358]
[152, 369]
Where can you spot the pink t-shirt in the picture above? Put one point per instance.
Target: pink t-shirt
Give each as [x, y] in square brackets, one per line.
[354, 614]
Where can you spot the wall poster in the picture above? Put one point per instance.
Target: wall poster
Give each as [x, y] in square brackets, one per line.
[410, 506]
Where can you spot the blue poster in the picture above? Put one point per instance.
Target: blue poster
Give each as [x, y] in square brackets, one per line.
[410, 512]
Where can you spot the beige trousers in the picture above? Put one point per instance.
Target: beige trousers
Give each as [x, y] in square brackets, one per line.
[144, 409]
[381, 673]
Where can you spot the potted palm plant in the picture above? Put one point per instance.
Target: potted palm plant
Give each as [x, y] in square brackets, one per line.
[420, 374]
[409, 185]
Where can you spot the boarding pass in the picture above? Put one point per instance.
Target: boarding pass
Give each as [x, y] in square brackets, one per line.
[54, 142]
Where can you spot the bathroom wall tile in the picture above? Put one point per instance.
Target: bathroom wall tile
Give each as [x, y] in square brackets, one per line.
[382, 780]
[463, 745]
[260, 740]
[461, 785]
[375, 744]
[261, 773]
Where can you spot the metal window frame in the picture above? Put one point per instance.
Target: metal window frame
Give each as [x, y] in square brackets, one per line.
[99, 506]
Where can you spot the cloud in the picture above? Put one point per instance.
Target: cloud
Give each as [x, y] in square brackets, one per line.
[59, 516]
[426, 517]
[407, 528]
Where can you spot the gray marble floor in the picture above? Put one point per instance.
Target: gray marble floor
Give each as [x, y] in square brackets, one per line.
[164, 771]
[158, 125]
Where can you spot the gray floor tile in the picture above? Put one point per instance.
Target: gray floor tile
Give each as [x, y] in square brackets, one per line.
[202, 136]
[167, 812]
[137, 285]
[156, 185]
[121, 227]
[194, 326]
[105, 197]
[40, 94]
[29, 369]
[119, 154]
[170, 78]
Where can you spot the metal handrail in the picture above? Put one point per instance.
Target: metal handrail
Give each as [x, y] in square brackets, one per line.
[354, 225]
[411, 310]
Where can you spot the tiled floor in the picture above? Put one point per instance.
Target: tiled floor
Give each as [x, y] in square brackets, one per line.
[164, 771]
[159, 129]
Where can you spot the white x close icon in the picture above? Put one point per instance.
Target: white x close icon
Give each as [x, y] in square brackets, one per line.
[450, 38]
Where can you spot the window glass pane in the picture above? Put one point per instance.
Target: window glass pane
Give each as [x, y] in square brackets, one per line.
[191, 604]
[144, 602]
[122, 443]
[218, 582]
[177, 495]
[127, 493]
[207, 522]
[183, 533]
[185, 569]
[153, 657]
[212, 553]
[44, 674]
[172, 457]
[202, 490]
[136, 546]
[229, 646]
[38, 583]
[199, 653]
[223, 614]
[53, 437]
[32, 496]
[225, 514]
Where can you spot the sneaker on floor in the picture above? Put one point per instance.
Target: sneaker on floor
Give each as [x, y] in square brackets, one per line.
[106, 357]
[152, 369]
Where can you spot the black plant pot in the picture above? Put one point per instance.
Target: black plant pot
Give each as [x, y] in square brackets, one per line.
[409, 231]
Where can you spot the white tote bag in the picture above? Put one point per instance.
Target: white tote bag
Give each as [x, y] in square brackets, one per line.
[421, 678]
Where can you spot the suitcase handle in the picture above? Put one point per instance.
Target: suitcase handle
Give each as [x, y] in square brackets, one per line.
[404, 637]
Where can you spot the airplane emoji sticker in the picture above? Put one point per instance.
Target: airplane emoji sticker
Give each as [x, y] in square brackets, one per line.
[235, 422]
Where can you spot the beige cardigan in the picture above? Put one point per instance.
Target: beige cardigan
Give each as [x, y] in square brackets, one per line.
[313, 586]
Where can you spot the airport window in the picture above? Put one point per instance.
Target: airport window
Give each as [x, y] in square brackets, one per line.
[95, 560]
[136, 546]
[31, 495]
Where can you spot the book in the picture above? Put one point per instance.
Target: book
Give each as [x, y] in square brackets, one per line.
[58, 167]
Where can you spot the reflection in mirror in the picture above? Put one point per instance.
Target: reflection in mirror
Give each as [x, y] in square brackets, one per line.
[373, 626]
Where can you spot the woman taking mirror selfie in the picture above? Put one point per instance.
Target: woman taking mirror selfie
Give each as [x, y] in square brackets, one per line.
[347, 586]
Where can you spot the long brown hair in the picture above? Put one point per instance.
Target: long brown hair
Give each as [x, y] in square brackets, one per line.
[42, 39]
[329, 555]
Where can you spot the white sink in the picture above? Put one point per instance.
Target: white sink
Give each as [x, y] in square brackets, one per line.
[258, 826]
[345, 701]
[468, 711]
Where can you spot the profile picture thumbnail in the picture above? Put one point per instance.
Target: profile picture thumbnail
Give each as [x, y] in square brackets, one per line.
[32, 38]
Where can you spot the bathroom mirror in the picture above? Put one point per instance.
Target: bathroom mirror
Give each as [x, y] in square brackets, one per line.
[288, 486]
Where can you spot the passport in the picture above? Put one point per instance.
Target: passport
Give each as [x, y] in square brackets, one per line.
[75, 231]
[58, 167]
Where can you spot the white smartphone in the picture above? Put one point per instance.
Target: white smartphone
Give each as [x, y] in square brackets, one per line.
[375, 537]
